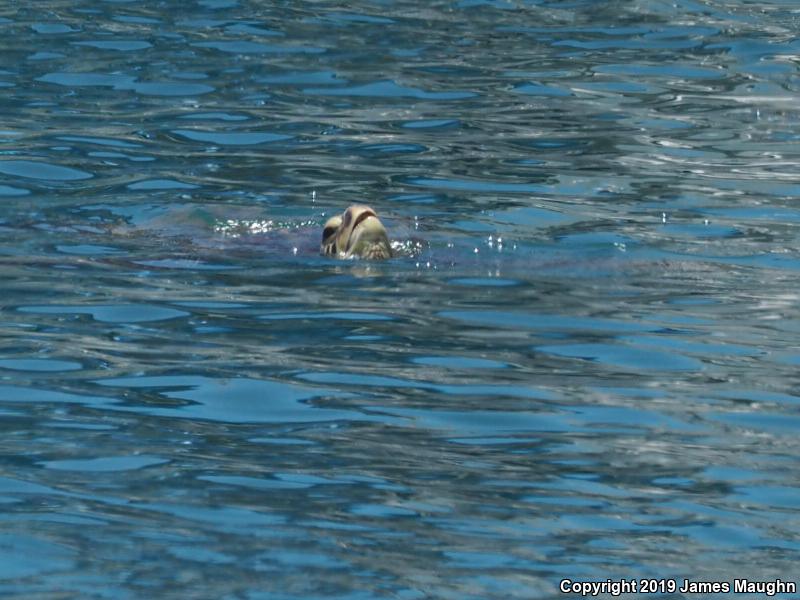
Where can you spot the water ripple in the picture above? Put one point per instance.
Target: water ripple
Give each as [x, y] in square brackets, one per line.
[232, 139]
[29, 169]
[113, 313]
[580, 364]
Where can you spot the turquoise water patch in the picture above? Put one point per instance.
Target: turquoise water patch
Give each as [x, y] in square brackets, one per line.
[224, 518]
[30, 169]
[727, 473]
[728, 537]
[759, 396]
[304, 78]
[479, 186]
[100, 141]
[215, 116]
[256, 483]
[189, 264]
[777, 214]
[201, 555]
[137, 19]
[631, 44]
[16, 394]
[211, 305]
[105, 464]
[235, 400]
[125, 82]
[530, 216]
[605, 239]
[759, 186]
[302, 560]
[39, 364]
[116, 45]
[459, 362]
[754, 49]
[24, 555]
[480, 560]
[414, 198]
[620, 87]
[111, 313]
[45, 56]
[120, 156]
[343, 17]
[532, 321]
[378, 382]
[393, 148]
[252, 29]
[483, 423]
[489, 281]
[246, 47]
[326, 315]
[9, 485]
[431, 124]
[538, 89]
[387, 89]
[9, 190]
[792, 359]
[778, 424]
[769, 496]
[671, 71]
[50, 28]
[118, 81]
[699, 230]
[161, 184]
[665, 124]
[231, 139]
[630, 418]
[189, 75]
[167, 88]
[631, 357]
[701, 347]
[290, 481]
[382, 511]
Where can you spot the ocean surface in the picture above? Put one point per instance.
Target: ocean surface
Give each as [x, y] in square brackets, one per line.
[582, 365]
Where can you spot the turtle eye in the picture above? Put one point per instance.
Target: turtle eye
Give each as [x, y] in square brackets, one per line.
[328, 232]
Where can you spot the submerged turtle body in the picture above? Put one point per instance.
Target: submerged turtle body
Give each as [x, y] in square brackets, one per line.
[231, 229]
[356, 233]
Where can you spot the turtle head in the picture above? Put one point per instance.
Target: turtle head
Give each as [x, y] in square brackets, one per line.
[356, 233]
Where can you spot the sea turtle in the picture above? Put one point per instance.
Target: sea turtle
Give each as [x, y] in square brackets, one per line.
[356, 233]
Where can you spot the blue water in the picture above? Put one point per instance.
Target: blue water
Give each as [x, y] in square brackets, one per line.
[583, 365]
